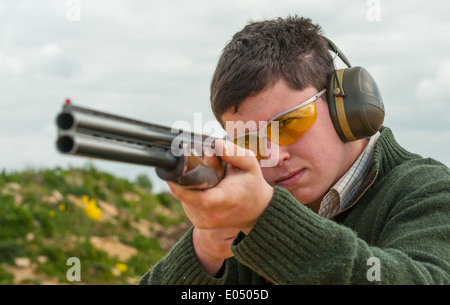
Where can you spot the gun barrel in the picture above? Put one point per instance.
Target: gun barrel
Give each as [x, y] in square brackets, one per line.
[90, 133]
[115, 150]
[87, 121]
[81, 120]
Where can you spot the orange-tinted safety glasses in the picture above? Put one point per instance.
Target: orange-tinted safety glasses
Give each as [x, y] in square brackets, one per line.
[283, 129]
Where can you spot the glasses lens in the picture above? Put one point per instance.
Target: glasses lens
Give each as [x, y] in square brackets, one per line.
[292, 125]
[284, 130]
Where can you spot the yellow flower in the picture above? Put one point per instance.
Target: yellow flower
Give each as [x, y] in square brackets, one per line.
[91, 209]
[62, 207]
[52, 213]
[93, 212]
[121, 267]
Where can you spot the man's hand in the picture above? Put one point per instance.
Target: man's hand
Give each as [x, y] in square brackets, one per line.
[234, 205]
[237, 201]
[212, 247]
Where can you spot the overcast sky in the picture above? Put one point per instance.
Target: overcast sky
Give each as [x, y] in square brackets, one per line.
[153, 61]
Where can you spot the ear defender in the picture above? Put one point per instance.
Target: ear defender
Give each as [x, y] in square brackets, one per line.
[354, 101]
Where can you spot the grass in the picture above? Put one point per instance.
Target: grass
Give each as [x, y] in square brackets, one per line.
[50, 215]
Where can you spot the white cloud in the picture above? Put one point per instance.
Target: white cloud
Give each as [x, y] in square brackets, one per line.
[13, 65]
[49, 50]
[435, 88]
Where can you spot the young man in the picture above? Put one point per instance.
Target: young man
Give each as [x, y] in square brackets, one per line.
[329, 211]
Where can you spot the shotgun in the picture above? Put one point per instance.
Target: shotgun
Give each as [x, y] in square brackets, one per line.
[179, 156]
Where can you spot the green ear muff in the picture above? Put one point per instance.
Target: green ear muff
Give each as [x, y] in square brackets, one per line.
[354, 101]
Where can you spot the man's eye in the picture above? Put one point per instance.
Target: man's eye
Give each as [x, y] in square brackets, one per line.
[285, 122]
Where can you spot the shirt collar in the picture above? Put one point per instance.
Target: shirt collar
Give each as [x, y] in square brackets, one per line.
[345, 189]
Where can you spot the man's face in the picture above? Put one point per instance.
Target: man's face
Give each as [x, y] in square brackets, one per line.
[308, 167]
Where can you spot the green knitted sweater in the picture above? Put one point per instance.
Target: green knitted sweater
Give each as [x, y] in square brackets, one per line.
[399, 224]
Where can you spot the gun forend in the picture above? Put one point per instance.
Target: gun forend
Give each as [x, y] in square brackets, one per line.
[90, 133]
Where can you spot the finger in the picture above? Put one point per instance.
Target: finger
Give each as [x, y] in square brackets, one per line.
[184, 194]
[199, 205]
[235, 155]
[215, 162]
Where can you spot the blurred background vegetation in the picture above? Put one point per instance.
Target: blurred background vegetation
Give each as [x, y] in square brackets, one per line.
[116, 228]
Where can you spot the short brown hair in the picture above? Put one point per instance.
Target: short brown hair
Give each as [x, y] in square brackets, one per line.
[262, 53]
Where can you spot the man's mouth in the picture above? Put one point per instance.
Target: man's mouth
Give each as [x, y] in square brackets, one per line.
[290, 178]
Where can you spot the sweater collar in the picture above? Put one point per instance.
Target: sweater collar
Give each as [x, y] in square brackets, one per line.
[387, 153]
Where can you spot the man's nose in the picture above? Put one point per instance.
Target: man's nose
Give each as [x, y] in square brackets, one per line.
[274, 154]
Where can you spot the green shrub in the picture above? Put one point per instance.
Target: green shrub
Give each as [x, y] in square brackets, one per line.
[11, 248]
[15, 221]
[49, 231]
[144, 182]
[6, 278]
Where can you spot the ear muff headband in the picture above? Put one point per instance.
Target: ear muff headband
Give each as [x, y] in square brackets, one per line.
[340, 111]
[354, 101]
